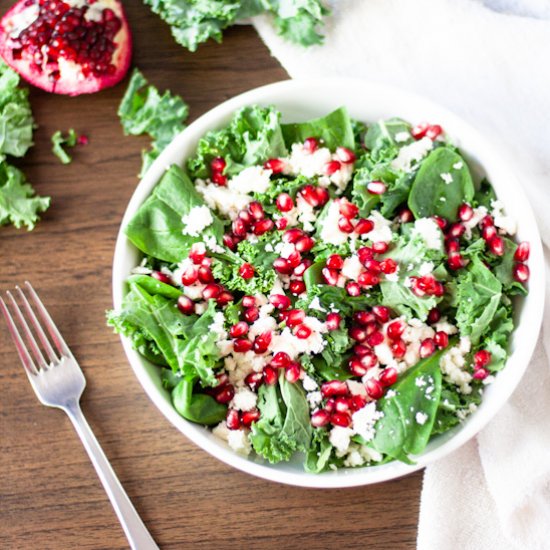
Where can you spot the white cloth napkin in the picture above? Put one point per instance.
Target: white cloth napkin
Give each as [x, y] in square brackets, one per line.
[487, 60]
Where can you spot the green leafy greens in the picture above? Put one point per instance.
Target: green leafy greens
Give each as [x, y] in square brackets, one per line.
[59, 141]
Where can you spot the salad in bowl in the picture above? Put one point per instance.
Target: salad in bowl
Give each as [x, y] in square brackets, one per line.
[337, 291]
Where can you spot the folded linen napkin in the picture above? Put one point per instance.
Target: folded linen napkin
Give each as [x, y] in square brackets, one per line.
[487, 60]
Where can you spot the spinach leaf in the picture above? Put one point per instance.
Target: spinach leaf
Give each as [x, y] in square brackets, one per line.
[318, 456]
[410, 413]
[157, 226]
[197, 407]
[478, 297]
[326, 369]
[252, 136]
[153, 286]
[380, 138]
[504, 270]
[284, 426]
[431, 194]
[335, 129]
[497, 337]
[485, 195]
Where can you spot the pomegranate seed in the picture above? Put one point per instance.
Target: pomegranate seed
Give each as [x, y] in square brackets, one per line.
[254, 380]
[292, 372]
[219, 179]
[83, 139]
[161, 277]
[205, 274]
[434, 315]
[405, 216]
[322, 195]
[305, 244]
[256, 210]
[452, 245]
[246, 271]
[345, 225]
[456, 230]
[261, 343]
[310, 145]
[419, 131]
[480, 374]
[486, 222]
[522, 252]
[301, 268]
[342, 419]
[357, 402]
[434, 131]
[333, 321]
[368, 279]
[455, 261]
[225, 394]
[330, 404]
[280, 360]
[284, 202]
[281, 265]
[373, 266]
[365, 253]
[375, 389]
[242, 345]
[309, 194]
[189, 276]
[334, 388]
[211, 290]
[345, 155]
[376, 187]
[353, 289]
[395, 330]
[270, 376]
[496, 246]
[427, 348]
[248, 301]
[363, 318]
[388, 376]
[520, 273]
[238, 329]
[371, 328]
[275, 165]
[481, 358]
[320, 418]
[489, 232]
[295, 317]
[356, 367]
[441, 339]
[239, 227]
[361, 350]
[358, 334]
[364, 226]
[281, 223]
[303, 332]
[330, 276]
[251, 314]
[248, 417]
[229, 241]
[293, 235]
[375, 339]
[263, 226]
[294, 259]
[465, 212]
[348, 209]
[335, 261]
[224, 298]
[380, 247]
[398, 348]
[332, 167]
[382, 313]
[232, 420]
[185, 305]
[341, 404]
[388, 266]
[246, 217]
[297, 287]
[280, 301]
[217, 164]
[441, 222]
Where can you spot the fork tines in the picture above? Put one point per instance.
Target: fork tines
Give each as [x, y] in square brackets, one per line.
[35, 359]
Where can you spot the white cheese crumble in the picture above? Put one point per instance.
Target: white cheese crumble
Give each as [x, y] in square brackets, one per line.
[254, 179]
[309, 384]
[356, 388]
[429, 231]
[212, 245]
[444, 326]
[340, 438]
[330, 232]
[305, 213]
[447, 178]
[401, 137]
[410, 155]
[316, 304]
[314, 399]
[458, 165]
[352, 267]
[364, 420]
[381, 231]
[244, 400]
[507, 223]
[453, 366]
[306, 163]
[426, 268]
[239, 442]
[421, 418]
[222, 199]
[198, 219]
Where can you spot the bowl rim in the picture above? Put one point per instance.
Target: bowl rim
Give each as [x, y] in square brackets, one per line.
[344, 477]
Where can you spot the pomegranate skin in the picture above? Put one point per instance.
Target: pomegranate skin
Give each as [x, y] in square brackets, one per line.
[69, 77]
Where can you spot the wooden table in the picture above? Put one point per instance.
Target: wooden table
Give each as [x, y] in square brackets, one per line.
[50, 495]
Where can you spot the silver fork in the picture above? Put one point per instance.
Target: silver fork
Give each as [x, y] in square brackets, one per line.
[59, 382]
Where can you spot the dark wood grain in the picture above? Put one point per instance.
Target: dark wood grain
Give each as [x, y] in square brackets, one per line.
[50, 495]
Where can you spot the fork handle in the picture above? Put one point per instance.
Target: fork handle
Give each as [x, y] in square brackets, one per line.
[134, 529]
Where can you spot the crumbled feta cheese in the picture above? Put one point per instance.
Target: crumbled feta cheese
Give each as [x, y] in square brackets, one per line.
[444, 326]
[309, 384]
[410, 155]
[356, 388]
[244, 400]
[352, 268]
[285, 249]
[222, 199]
[447, 178]
[384, 354]
[507, 223]
[452, 365]
[381, 231]
[401, 137]
[305, 213]
[212, 245]
[264, 323]
[254, 179]
[364, 420]
[306, 163]
[239, 442]
[421, 418]
[429, 231]
[390, 394]
[240, 365]
[217, 326]
[194, 292]
[198, 219]
[426, 268]
[340, 438]
[316, 304]
[314, 399]
[294, 346]
[478, 214]
[221, 431]
[330, 232]
[458, 165]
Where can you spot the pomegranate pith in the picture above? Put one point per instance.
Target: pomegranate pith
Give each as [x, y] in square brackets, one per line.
[66, 47]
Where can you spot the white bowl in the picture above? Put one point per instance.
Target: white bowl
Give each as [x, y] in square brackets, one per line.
[300, 100]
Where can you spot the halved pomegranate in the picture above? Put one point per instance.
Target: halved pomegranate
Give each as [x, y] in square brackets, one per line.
[68, 47]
